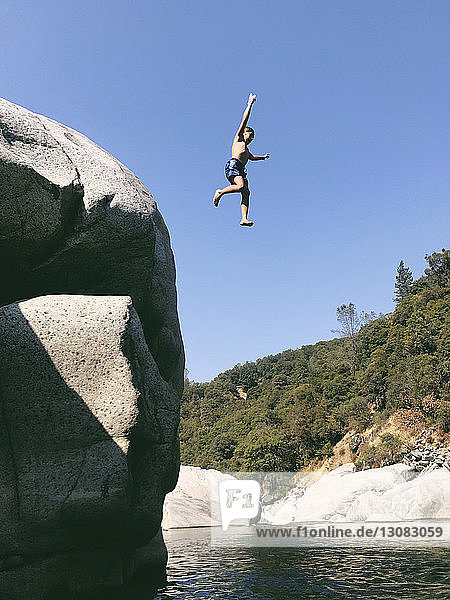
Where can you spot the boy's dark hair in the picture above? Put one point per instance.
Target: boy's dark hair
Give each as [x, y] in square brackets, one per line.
[250, 129]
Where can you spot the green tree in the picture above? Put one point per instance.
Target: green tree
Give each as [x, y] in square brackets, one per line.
[350, 322]
[444, 416]
[356, 414]
[403, 282]
[438, 270]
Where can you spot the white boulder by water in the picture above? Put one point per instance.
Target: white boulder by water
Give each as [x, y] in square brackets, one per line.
[395, 492]
[195, 500]
[392, 493]
[427, 496]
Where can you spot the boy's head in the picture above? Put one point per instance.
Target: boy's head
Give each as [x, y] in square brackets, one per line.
[249, 134]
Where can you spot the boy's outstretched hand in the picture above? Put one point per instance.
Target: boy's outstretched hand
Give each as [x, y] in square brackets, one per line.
[251, 99]
[266, 156]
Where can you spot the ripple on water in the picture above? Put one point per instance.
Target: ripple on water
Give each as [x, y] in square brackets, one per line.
[197, 570]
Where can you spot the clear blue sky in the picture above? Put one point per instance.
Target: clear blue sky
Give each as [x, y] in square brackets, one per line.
[353, 101]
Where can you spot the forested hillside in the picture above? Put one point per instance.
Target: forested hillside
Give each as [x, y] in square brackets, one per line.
[283, 411]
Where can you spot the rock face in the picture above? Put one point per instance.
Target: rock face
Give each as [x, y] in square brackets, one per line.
[195, 500]
[426, 456]
[426, 496]
[74, 220]
[395, 492]
[91, 366]
[88, 425]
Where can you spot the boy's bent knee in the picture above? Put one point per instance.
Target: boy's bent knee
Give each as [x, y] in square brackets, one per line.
[239, 183]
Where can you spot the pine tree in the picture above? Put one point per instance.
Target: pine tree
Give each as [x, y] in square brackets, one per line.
[403, 282]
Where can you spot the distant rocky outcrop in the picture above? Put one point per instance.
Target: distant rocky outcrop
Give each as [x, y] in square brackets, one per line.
[91, 365]
[395, 492]
[427, 456]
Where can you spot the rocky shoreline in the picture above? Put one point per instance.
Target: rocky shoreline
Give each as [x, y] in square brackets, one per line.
[394, 492]
[426, 456]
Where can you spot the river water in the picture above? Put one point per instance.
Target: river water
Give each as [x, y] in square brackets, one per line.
[198, 570]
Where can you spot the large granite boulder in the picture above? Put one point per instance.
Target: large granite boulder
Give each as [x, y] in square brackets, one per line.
[74, 220]
[91, 369]
[88, 442]
[334, 495]
[425, 497]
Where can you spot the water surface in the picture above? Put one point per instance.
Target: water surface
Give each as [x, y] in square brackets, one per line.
[197, 570]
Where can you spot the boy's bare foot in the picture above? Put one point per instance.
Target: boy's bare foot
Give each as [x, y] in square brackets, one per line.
[216, 198]
[246, 223]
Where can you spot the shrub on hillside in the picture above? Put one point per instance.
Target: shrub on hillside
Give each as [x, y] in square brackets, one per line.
[389, 451]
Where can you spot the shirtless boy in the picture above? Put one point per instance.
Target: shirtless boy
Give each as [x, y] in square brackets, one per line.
[235, 168]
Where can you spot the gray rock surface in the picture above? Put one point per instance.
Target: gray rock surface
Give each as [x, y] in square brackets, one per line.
[74, 220]
[91, 368]
[88, 442]
[427, 456]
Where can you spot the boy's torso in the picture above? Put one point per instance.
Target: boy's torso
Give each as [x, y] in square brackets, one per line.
[239, 151]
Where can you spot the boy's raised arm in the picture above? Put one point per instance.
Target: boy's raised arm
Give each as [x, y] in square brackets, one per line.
[246, 115]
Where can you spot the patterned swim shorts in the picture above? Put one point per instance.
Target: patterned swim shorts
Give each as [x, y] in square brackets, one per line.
[234, 167]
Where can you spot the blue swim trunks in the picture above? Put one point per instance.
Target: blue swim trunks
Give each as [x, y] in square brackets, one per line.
[234, 167]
